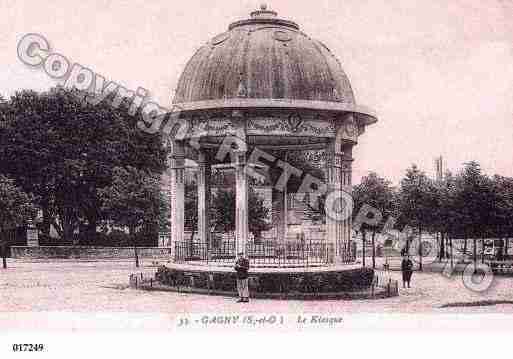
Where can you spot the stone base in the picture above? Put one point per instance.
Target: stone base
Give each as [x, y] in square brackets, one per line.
[299, 283]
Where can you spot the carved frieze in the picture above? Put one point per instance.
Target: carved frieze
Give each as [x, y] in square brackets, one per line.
[295, 124]
[316, 157]
[210, 126]
[291, 125]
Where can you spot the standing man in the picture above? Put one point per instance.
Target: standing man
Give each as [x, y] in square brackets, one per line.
[242, 268]
[407, 269]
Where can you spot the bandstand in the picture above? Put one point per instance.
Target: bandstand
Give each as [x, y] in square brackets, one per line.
[260, 89]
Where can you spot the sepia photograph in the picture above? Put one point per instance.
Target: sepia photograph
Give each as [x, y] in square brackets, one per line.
[336, 167]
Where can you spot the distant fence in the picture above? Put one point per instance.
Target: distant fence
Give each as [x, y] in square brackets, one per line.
[84, 252]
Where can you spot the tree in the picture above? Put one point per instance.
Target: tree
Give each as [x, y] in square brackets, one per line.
[378, 193]
[309, 163]
[445, 215]
[258, 215]
[16, 207]
[474, 202]
[4, 109]
[417, 198]
[503, 209]
[63, 150]
[223, 206]
[133, 200]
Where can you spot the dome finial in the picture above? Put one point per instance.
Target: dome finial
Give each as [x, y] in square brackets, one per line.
[264, 15]
[263, 12]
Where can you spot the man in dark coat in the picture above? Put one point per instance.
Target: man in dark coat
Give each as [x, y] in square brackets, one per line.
[242, 268]
[407, 269]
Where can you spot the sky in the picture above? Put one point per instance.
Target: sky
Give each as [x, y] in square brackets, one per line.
[438, 73]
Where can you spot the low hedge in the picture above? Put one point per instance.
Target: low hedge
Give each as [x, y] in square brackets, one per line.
[320, 282]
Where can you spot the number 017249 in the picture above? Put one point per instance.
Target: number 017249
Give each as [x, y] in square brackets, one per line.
[28, 347]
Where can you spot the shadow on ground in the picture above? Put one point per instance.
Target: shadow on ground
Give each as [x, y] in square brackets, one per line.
[481, 303]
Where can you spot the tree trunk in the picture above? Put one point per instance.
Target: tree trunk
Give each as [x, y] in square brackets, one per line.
[68, 226]
[475, 253]
[364, 235]
[92, 214]
[482, 251]
[446, 245]
[4, 255]
[438, 239]
[465, 245]
[68, 233]
[47, 220]
[373, 249]
[452, 253]
[136, 254]
[442, 246]
[3, 248]
[91, 228]
[506, 246]
[420, 248]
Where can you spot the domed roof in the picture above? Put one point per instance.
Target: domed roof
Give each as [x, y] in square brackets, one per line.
[264, 57]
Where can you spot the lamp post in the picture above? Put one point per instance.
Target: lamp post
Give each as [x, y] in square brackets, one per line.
[420, 231]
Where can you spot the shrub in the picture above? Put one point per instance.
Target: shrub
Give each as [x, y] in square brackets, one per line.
[329, 282]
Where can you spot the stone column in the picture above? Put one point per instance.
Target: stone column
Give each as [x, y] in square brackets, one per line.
[333, 182]
[241, 203]
[338, 177]
[286, 206]
[204, 172]
[177, 189]
[347, 175]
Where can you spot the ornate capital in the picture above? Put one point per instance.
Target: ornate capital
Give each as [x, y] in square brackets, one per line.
[347, 131]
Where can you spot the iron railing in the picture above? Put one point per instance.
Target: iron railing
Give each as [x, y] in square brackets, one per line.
[346, 251]
[297, 253]
[194, 251]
